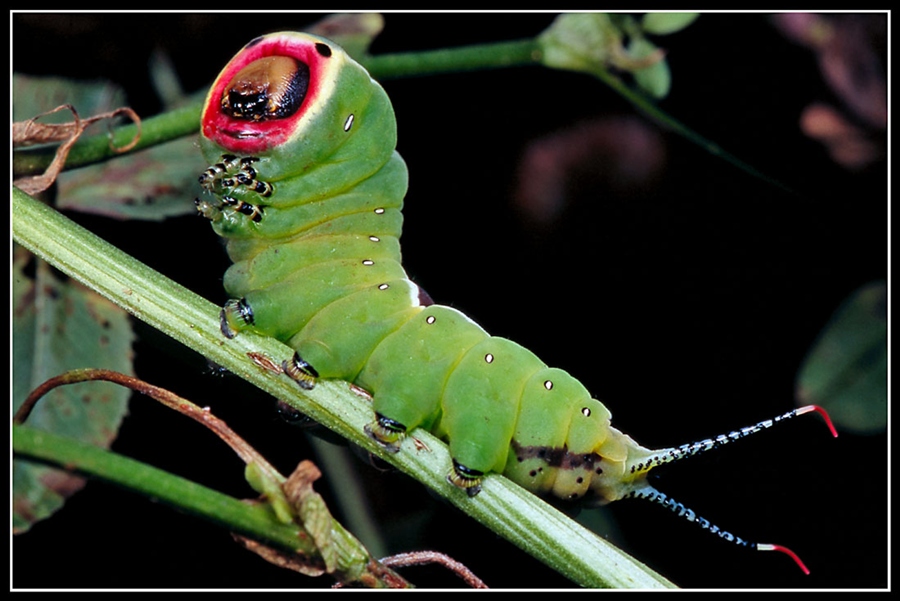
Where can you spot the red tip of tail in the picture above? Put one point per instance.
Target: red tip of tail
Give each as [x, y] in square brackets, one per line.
[821, 412]
[786, 551]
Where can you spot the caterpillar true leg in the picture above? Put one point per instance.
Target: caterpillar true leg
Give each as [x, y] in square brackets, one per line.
[231, 172]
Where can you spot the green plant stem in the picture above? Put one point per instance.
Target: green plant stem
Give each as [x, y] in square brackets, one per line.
[255, 521]
[654, 112]
[507, 509]
[464, 58]
[337, 462]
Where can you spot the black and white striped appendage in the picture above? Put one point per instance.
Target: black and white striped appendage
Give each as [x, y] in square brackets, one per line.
[689, 450]
[651, 494]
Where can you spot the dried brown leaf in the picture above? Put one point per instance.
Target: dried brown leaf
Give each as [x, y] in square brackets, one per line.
[290, 561]
[31, 132]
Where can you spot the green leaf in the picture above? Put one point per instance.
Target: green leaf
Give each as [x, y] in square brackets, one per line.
[655, 79]
[152, 184]
[580, 42]
[33, 95]
[60, 325]
[593, 43]
[845, 371]
[262, 483]
[665, 23]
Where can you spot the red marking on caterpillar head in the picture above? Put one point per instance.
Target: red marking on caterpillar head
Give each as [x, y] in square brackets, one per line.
[253, 137]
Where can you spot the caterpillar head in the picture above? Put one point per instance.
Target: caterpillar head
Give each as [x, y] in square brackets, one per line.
[290, 99]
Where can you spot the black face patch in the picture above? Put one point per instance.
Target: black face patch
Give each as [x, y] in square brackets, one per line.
[269, 88]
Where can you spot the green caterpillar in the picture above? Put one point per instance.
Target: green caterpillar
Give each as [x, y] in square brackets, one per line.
[307, 189]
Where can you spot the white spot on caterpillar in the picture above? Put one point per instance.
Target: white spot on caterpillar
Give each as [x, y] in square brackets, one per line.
[368, 262]
[586, 411]
[383, 286]
[379, 211]
[429, 320]
[548, 385]
[374, 238]
[348, 123]
[489, 358]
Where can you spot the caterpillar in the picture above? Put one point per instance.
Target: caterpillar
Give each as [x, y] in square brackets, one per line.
[306, 187]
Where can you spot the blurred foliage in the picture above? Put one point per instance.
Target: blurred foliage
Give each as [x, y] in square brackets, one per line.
[846, 369]
[592, 41]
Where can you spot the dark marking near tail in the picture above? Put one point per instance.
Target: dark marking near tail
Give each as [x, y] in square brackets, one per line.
[558, 457]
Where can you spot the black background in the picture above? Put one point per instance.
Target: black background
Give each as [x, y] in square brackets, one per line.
[686, 304]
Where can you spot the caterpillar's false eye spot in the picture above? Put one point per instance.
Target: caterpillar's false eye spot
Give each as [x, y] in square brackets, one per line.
[323, 49]
[269, 88]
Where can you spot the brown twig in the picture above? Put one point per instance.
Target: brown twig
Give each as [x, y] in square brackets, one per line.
[417, 558]
[202, 415]
[30, 132]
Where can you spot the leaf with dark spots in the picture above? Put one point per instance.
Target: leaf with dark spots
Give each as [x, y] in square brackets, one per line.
[60, 325]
